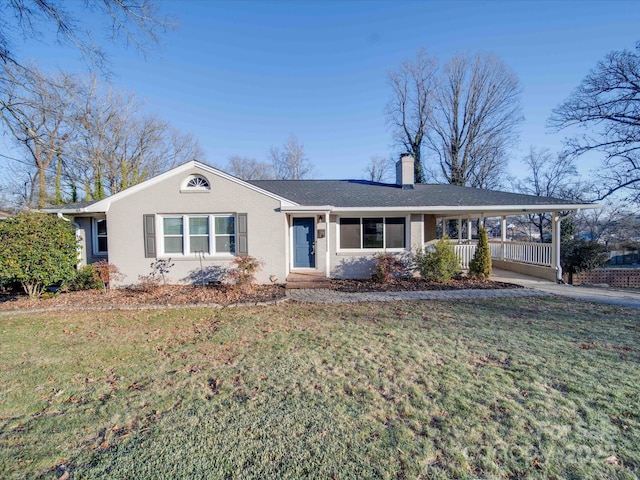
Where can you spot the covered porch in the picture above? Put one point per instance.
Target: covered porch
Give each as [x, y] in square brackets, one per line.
[538, 259]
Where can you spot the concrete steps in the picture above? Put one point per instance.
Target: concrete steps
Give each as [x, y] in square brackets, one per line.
[307, 280]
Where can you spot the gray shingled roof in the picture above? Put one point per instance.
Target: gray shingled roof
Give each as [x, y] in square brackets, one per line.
[69, 206]
[362, 193]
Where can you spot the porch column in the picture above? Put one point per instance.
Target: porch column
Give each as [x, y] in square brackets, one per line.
[327, 259]
[503, 231]
[469, 229]
[555, 245]
[459, 230]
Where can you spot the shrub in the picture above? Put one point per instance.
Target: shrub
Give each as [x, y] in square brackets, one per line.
[480, 264]
[86, 279]
[387, 267]
[244, 273]
[107, 273]
[579, 255]
[438, 263]
[37, 250]
[159, 269]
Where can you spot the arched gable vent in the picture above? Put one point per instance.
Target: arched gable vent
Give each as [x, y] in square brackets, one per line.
[196, 183]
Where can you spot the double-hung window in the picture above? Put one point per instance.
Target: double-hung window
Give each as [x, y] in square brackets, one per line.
[225, 234]
[172, 228]
[198, 234]
[99, 236]
[372, 233]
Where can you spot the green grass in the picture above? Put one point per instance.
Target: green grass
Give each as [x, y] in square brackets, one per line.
[526, 388]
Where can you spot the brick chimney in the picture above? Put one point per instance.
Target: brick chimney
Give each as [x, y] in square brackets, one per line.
[405, 175]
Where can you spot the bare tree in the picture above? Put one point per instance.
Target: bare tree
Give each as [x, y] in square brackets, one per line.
[290, 162]
[134, 23]
[118, 145]
[379, 169]
[607, 106]
[477, 113]
[249, 168]
[35, 109]
[89, 139]
[410, 110]
[549, 176]
[611, 225]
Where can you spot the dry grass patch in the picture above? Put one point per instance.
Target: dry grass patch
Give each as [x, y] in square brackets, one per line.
[518, 388]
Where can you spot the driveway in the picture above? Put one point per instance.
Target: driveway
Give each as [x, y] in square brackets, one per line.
[623, 298]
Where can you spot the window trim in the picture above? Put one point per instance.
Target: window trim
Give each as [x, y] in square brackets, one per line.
[362, 249]
[186, 236]
[94, 237]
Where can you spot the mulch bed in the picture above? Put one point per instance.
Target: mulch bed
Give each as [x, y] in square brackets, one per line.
[416, 284]
[132, 297]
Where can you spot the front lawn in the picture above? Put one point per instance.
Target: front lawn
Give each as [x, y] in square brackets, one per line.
[502, 388]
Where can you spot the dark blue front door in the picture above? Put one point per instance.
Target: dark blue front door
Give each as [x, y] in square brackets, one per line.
[304, 239]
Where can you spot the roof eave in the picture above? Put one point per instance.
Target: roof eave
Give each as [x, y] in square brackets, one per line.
[454, 210]
[307, 208]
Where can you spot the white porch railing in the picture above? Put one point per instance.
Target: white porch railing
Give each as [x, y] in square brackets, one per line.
[465, 253]
[521, 252]
[525, 252]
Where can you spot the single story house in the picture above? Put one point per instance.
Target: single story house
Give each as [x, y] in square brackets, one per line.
[201, 217]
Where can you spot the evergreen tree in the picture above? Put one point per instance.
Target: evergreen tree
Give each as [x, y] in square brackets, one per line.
[480, 265]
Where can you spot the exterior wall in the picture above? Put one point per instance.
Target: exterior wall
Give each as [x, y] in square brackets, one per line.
[321, 244]
[86, 233]
[266, 227]
[416, 231]
[430, 228]
[360, 264]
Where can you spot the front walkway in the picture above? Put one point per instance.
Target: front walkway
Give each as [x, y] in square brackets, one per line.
[534, 287]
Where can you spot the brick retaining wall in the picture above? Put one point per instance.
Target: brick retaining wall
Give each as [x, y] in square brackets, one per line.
[614, 277]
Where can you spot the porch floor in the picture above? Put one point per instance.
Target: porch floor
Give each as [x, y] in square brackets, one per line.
[307, 280]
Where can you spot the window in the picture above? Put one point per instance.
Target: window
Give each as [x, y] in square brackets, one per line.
[350, 233]
[373, 233]
[192, 234]
[225, 233]
[99, 236]
[394, 232]
[173, 237]
[199, 234]
[196, 183]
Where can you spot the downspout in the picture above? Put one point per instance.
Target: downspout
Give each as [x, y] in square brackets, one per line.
[557, 220]
[78, 237]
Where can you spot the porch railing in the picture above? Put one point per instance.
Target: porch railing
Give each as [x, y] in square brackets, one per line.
[465, 253]
[521, 252]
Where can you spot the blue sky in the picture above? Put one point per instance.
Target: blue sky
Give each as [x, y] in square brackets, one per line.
[242, 76]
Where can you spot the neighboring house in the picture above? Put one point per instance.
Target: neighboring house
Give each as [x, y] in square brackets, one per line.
[201, 218]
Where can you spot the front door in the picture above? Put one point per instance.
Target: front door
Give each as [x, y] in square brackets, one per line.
[304, 241]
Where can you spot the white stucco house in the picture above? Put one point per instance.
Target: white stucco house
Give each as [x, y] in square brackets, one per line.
[202, 217]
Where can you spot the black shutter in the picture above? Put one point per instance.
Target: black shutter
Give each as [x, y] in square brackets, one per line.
[149, 236]
[243, 244]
